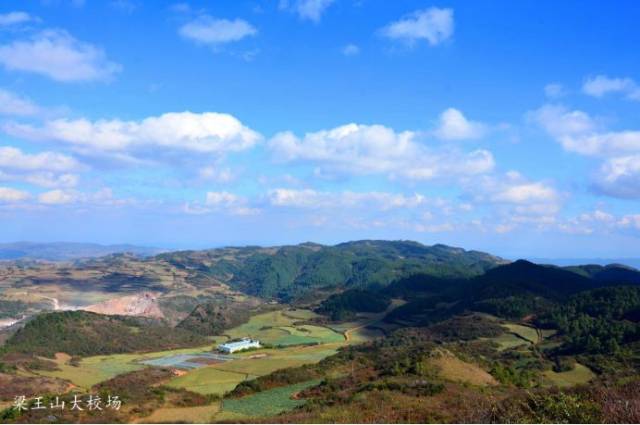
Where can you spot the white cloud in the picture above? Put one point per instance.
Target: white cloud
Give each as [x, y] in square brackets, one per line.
[375, 149]
[311, 199]
[307, 9]
[434, 25]
[42, 179]
[602, 85]
[434, 228]
[56, 197]
[554, 90]
[631, 220]
[14, 159]
[221, 199]
[217, 174]
[51, 180]
[516, 199]
[209, 132]
[620, 177]
[223, 202]
[578, 132]
[8, 195]
[350, 50]
[454, 126]
[103, 197]
[525, 193]
[12, 104]
[44, 169]
[14, 18]
[208, 30]
[56, 54]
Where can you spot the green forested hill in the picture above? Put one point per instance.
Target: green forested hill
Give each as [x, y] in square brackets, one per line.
[613, 273]
[213, 318]
[81, 333]
[290, 271]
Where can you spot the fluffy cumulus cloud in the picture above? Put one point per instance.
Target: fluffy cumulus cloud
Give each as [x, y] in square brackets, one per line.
[576, 131]
[44, 169]
[525, 193]
[311, 10]
[433, 25]
[620, 177]
[14, 18]
[15, 105]
[453, 125]
[376, 149]
[208, 30]
[58, 55]
[204, 133]
[513, 201]
[14, 159]
[9, 195]
[513, 188]
[602, 85]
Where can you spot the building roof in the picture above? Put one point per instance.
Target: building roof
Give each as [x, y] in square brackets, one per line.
[241, 343]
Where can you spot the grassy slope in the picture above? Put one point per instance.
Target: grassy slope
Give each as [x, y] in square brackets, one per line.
[268, 403]
[580, 374]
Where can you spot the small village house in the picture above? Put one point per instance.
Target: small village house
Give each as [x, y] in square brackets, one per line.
[243, 344]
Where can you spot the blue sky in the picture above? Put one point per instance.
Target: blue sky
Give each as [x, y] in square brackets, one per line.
[510, 127]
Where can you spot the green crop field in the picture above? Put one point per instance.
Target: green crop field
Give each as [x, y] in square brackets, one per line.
[277, 359]
[222, 377]
[208, 380]
[526, 332]
[93, 370]
[276, 327]
[279, 328]
[507, 341]
[268, 403]
[580, 374]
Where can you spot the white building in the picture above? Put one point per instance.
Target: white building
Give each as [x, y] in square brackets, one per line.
[243, 344]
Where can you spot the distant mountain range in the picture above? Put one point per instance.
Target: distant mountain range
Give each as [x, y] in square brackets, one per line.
[66, 251]
[562, 262]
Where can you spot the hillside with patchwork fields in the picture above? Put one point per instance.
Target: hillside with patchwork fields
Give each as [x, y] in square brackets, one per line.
[367, 331]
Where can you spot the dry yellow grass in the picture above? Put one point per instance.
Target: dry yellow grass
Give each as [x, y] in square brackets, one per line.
[195, 415]
[454, 369]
